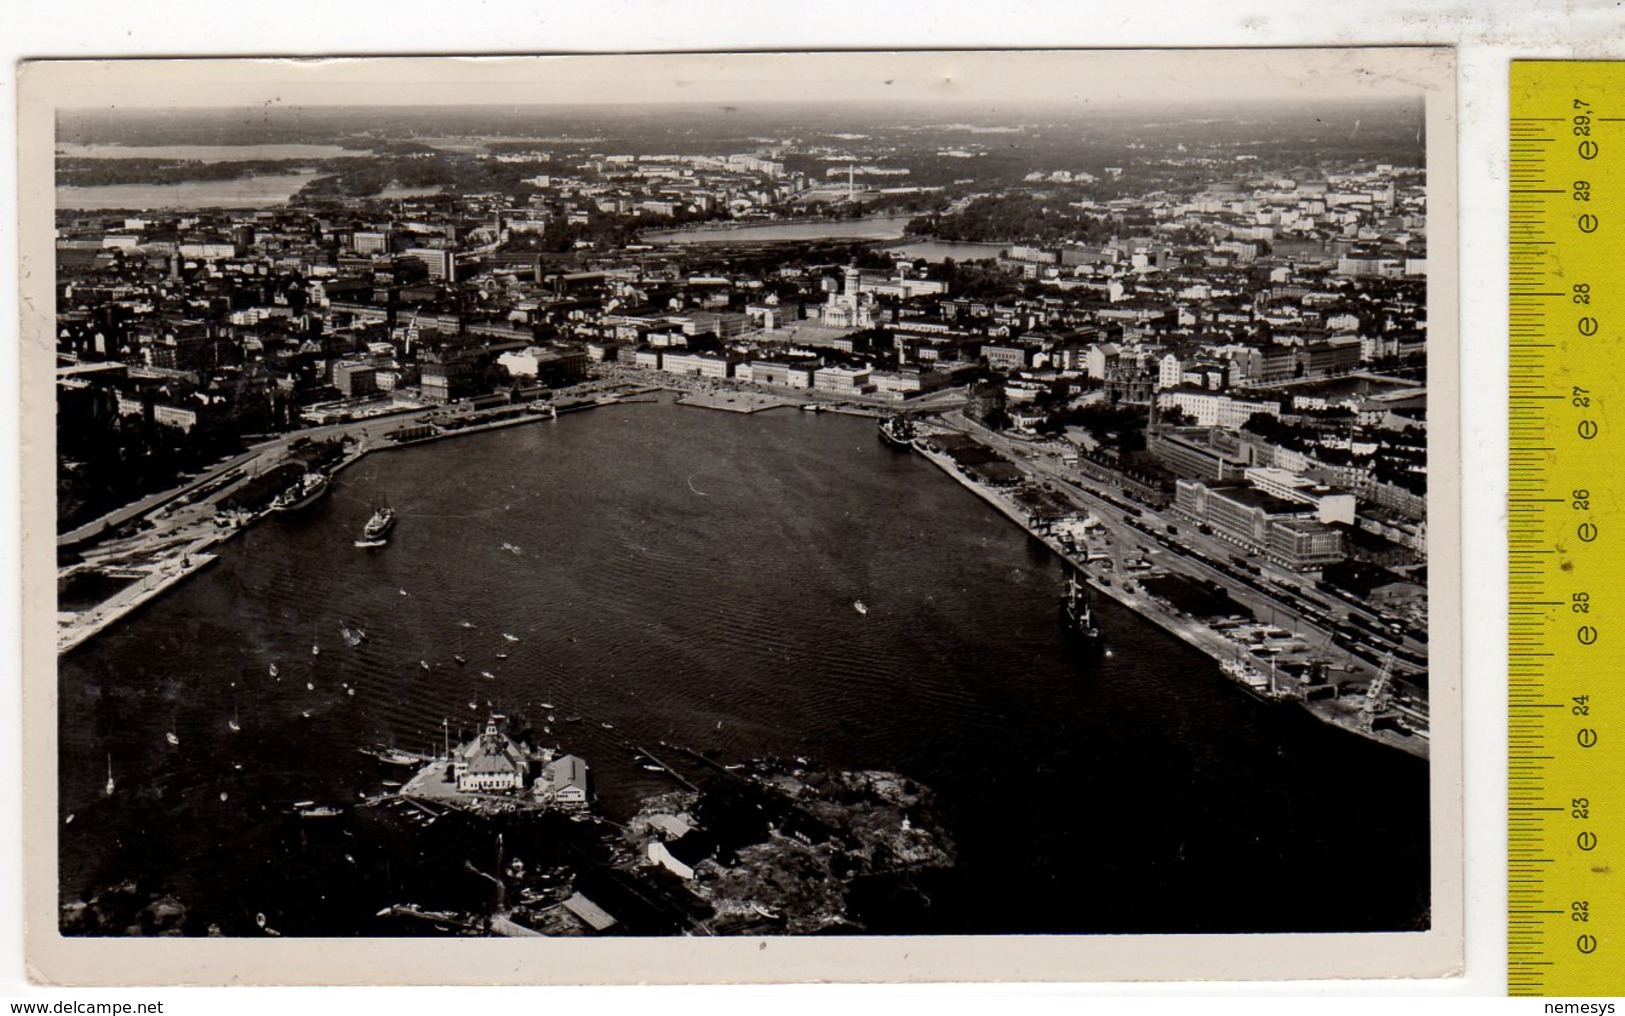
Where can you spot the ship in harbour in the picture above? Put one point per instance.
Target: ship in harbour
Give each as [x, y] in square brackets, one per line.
[898, 430]
[1076, 613]
[1254, 681]
[376, 532]
[301, 495]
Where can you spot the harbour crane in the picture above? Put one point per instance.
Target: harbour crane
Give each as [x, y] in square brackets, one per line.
[1379, 695]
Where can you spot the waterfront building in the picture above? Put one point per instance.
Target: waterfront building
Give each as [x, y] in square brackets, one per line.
[1193, 453]
[711, 365]
[564, 783]
[842, 380]
[355, 378]
[490, 762]
[1282, 531]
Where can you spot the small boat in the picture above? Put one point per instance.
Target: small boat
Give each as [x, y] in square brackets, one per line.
[510, 638]
[69, 819]
[465, 624]
[511, 548]
[274, 671]
[607, 725]
[298, 805]
[858, 606]
[391, 756]
[549, 705]
[315, 650]
[458, 658]
[550, 717]
[488, 675]
[473, 705]
[110, 784]
[376, 532]
[171, 738]
[424, 664]
[223, 795]
[349, 691]
[310, 685]
[403, 592]
[353, 636]
[305, 715]
[234, 725]
[502, 656]
[654, 768]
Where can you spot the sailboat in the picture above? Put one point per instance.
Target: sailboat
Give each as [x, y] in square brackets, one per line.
[171, 738]
[274, 671]
[234, 723]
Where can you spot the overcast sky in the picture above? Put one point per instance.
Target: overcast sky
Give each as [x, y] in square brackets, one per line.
[971, 79]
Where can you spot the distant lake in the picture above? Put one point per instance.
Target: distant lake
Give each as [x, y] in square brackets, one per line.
[393, 191]
[247, 192]
[883, 227]
[207, 153]
[942, 250]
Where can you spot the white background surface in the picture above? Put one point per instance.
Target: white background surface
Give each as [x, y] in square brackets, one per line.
[1487, 34]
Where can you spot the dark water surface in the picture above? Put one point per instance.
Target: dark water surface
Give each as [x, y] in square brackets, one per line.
[690, 575]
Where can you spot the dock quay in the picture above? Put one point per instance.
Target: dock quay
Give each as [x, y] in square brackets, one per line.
[736, 401]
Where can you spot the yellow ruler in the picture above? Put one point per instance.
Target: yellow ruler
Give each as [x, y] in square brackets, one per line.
[1566, 724]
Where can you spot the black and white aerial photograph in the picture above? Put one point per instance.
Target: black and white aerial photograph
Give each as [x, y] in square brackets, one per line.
[745, 496]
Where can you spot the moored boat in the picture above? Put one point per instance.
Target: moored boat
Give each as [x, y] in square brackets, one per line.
[1252, 680]
[1076, 613]
[301, 495]
[898, 431]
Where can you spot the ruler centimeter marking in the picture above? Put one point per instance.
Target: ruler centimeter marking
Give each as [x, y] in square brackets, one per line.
[1566, 530]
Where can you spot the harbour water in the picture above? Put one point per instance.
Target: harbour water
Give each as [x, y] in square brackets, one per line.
[690, 576]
